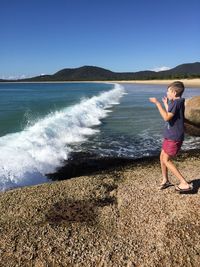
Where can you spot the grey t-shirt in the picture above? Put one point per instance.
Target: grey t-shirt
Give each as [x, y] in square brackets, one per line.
[174, 129]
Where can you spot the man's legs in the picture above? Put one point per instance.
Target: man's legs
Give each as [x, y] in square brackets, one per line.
[163, 169]
[170, 165]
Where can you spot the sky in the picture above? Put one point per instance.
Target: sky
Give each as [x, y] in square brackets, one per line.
[44, 36]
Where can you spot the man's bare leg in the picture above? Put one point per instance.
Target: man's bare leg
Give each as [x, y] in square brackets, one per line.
[170, 165]
[163, 169]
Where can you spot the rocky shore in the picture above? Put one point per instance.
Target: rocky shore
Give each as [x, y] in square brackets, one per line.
[116, 217]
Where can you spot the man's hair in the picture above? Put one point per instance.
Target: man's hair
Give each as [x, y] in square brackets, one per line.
[178, 87]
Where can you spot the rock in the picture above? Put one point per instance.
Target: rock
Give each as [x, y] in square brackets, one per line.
[192, 110]
[74, 227]
[192, 116]
[192, 129]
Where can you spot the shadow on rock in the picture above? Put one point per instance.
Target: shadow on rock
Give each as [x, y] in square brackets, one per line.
[196, 186]
[81, 211]
[81, 163]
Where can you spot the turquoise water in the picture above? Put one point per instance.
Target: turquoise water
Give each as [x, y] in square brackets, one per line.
[23, 103]
[41, 124]
[134, 128]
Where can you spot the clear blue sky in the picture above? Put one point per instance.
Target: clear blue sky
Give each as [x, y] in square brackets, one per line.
[44, 36]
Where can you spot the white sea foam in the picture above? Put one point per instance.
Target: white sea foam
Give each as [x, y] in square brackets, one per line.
[39, 149]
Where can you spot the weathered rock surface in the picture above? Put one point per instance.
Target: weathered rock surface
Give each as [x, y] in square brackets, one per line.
[192, 129]
[192, 116]
[115, 218]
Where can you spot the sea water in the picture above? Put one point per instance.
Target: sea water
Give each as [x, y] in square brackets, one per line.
[42, 124]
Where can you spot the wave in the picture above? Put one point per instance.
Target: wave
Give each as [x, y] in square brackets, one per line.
[40, 148]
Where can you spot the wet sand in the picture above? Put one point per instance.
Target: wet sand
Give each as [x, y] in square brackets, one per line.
[113, 217]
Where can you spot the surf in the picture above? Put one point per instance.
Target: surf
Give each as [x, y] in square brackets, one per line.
[42, 147]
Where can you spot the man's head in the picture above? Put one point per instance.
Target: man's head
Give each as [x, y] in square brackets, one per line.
[175, 89]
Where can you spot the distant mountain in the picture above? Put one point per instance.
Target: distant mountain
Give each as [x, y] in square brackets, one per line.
[189, 70]
[92, 73]
[84, 73]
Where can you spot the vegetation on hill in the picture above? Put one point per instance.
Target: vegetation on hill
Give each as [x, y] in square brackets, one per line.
[92, 73]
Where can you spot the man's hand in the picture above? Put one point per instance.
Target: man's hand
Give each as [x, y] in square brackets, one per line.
[153, 100]
[165, 100]
[165, 115]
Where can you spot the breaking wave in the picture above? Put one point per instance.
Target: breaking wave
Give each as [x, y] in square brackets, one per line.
[40, 148]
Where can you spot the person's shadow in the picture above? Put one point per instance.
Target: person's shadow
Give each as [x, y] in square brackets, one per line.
[196, 185]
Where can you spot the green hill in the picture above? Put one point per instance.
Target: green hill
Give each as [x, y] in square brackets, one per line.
[93, 73]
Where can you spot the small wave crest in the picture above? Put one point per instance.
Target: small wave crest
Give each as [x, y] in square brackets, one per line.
[40, 148]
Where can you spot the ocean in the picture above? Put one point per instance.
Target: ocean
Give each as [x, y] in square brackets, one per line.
[43, 124]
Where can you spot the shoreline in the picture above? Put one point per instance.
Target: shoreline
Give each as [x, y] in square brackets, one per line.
[112, 218]
[188, 82]
[85, 164]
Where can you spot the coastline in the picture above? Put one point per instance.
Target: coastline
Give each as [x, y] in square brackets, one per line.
[188, 82]
[86, 164]
[114, 217]
[103, 212]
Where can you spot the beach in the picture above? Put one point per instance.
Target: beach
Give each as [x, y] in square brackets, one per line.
[114, 217]
[89, 125]
[103, 205]
[187, 82]
[46, 124]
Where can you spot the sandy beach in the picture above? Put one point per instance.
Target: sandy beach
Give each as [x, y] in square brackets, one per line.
[187, 82]
[116, 217]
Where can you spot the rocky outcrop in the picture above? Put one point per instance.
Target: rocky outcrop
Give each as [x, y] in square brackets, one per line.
[192, 116]
[113, 218]
[192, 129]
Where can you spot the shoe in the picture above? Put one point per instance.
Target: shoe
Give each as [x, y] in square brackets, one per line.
[165, 185]
[183, 190]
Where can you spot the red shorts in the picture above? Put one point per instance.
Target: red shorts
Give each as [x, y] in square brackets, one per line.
[171, 147]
